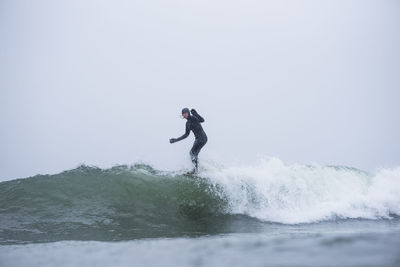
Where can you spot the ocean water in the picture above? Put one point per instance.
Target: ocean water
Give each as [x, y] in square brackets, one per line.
[267, 214]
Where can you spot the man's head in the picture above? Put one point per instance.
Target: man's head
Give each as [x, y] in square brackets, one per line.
[185, 113]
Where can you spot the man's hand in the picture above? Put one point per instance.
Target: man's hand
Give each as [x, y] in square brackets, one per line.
[172, 140]
[193, 111]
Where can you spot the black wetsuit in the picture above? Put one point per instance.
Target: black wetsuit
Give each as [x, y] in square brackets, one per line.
[193, 124]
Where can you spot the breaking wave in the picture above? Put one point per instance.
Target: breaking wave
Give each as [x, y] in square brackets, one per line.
[129, 202]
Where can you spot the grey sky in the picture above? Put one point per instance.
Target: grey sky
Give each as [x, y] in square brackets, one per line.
[103, 82]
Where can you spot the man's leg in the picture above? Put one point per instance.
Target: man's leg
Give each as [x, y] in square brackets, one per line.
[194, 158]
[194, 152]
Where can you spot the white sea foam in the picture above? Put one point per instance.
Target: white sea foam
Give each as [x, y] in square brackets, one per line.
[273, 191]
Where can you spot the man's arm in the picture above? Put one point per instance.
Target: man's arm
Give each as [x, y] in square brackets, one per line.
[186, 134]
[194, 113]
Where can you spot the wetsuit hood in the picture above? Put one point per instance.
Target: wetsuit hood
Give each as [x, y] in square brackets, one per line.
[185, 110]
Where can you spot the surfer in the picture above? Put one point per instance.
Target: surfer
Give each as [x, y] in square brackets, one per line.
[193, 124]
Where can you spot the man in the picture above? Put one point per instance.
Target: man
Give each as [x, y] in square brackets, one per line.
[193, 124]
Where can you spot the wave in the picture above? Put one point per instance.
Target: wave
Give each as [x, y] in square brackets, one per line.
[275, 192]
[129, 202]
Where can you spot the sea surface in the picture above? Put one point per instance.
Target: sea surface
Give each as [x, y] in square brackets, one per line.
[267, 214]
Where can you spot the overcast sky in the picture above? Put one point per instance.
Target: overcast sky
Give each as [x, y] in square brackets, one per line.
[103, 82]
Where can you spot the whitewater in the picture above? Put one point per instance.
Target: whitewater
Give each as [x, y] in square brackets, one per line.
[272, 191]
[226, 209]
